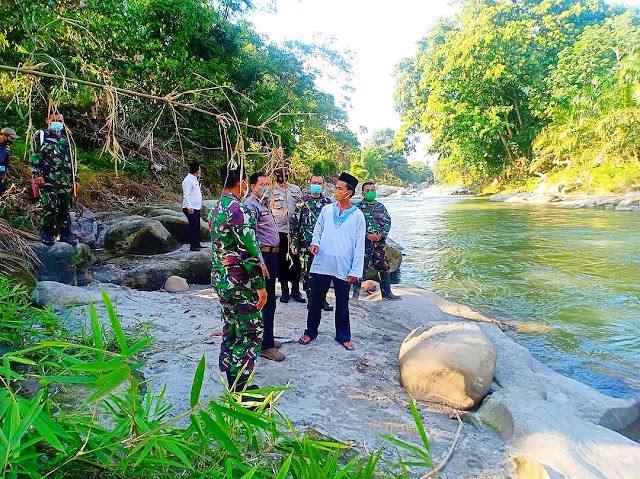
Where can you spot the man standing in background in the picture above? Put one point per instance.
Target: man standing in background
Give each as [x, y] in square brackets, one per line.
[238, 279]
[378, 226]
[7, 135]
[268, 240]
[301, 229]
[56, 177]
[192, 204]
[283, 204]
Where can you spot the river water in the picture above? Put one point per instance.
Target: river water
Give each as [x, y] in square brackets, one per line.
[569, 280]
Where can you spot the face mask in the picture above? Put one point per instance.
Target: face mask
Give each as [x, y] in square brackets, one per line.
[56, 126]
[370, 195]
[265, 191]
[315, 189]
[338, 195]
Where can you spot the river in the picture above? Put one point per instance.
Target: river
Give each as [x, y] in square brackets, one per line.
[568, 280]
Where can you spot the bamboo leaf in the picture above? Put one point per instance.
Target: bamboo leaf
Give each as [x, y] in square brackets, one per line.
[198, 378]
[284, 469]
[219, 434]
[108, 384]
[97, 332]
[115, 324]
[418, 420]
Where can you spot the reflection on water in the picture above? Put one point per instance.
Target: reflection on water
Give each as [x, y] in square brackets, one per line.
[577, 272]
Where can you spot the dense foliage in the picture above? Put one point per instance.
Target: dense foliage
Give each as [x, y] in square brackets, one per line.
[510, 89]
[200, 53]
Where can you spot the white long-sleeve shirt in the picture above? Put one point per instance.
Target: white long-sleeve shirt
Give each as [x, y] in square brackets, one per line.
[340, 242]
[191, 193]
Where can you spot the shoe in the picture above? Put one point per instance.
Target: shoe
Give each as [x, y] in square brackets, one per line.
[201, 246]
[298, 298]
[348, 345]
[304, 339]
[285, 297]
[195, 248]
[385, 287]
[46, 239]
[326, 306]
[248, 402]
[277, 344]
[273, 354]
[69, 241]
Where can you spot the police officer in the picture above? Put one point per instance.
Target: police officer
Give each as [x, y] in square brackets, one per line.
[378, 226]
[269, 242]
[283, 204]
[56, 178]
[7, 135]
[302, 223]
[238, 279]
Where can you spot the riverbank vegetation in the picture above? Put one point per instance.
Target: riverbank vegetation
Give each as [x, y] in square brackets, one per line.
[513, 91]
[78, 405]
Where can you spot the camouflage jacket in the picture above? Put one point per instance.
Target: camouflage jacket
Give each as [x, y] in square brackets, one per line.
[236, 256]
[304, 220]
[52, 161]
[377, 217]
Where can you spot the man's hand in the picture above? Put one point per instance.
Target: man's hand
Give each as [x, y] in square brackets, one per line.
[351, 279]
[190, 211]
[265, 271]
[371, 237]
[294, 250]
[262, 298]
[314, 249]
[39, 181]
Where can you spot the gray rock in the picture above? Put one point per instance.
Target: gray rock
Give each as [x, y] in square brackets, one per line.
[151, 273]
[83, 261]
[85, 226]
[176, 284]
[207, 206]
[139, 235]
[51, 293]
[451, 364]
[178, 227]
[163, 212]
[57, 263]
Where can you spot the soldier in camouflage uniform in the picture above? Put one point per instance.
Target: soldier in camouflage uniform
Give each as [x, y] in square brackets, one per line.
[56, 178]
[301, 228]
[238, 280]
[378, 226]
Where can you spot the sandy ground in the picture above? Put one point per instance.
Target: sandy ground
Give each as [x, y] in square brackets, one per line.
[352, 396]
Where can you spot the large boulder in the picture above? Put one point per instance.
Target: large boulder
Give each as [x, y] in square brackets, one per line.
[178, 226]
[85, 226]
[57, 263]
[207, 206]
[394, 257]
[151, 273]
[451, 364]
[51, 293]
[139, 235]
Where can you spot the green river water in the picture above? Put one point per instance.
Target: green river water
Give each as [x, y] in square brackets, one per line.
[568, 280]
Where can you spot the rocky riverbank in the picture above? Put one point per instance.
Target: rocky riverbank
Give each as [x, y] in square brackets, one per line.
[618, 202]
[534, 423]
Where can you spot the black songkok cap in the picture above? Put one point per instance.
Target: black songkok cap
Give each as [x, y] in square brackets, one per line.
[349, 179]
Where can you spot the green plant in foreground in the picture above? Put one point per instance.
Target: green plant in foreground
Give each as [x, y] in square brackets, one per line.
[116, 431]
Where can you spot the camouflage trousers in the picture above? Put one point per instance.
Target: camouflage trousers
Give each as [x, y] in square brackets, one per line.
[242, 330]
[375, 256]
[56, 204]
[306, 260]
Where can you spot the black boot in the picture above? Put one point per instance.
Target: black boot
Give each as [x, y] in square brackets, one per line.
[66, 236]
[296, 296]
[326, 306]
[385, 286]
[356, 290]
[46, 237]
[285, 294]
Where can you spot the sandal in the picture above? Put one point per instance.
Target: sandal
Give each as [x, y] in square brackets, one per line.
[304, 339]
[348, 345]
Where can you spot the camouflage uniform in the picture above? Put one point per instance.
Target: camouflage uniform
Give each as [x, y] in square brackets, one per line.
[52, 161]
[236, 276]
[301, 230]
[378, 222]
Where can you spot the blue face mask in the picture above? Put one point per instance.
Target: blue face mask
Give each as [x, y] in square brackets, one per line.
[56, 126]
[315, 189]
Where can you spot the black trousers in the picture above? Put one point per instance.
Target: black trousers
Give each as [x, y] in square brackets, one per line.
[288, 269]
[269, 310]
[319, 286]
[194, 227]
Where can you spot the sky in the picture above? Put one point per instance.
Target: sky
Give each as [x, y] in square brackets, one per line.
[381, 33]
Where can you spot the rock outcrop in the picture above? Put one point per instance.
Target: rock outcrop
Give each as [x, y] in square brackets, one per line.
[139, 236]
[51, 293]
[452, 364]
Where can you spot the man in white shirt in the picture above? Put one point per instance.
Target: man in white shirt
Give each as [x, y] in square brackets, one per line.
[192, 204]
[338, 245]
